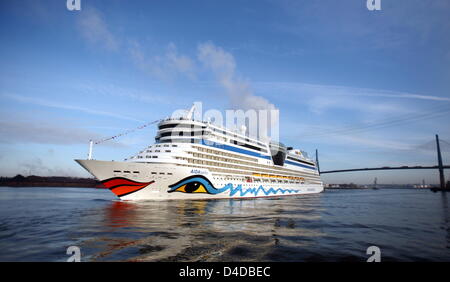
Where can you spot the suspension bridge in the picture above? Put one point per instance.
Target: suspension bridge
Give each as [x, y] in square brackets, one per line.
[440, 167]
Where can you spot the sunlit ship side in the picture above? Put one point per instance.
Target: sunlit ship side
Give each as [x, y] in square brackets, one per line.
[198, 160]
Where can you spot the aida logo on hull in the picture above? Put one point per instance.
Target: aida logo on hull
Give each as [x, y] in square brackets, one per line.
[198, 171]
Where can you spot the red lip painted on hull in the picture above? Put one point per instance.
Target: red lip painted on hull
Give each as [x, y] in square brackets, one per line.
[122, 186]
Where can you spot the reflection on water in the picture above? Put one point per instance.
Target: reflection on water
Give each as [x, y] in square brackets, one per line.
[408, 225]
[445, 218]
[203, 230]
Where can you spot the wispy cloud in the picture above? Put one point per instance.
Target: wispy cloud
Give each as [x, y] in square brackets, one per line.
[336, 90]
[42, 132]
[354, 91]
[214, 59]
[399, 24]
[223, 65]
[238, 89]
[114, 90]
[27, 130]
[167, 66]
[52, 104]
[320, 98]
[372, 141]
[94, 29]
[35, 166]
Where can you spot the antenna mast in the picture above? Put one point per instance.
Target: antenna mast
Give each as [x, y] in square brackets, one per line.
[91, 144]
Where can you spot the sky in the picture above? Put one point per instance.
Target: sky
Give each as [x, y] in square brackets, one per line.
[365, 88]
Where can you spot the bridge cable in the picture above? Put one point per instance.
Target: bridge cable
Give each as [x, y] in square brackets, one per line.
[381, 124]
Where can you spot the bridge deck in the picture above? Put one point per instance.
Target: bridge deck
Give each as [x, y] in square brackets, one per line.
[384, 168]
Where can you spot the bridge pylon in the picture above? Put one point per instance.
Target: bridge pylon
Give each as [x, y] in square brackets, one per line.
[440, 166]
[317, 161]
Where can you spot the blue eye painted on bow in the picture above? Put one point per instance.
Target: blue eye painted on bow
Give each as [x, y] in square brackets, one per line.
[194, 184]
[190, 187]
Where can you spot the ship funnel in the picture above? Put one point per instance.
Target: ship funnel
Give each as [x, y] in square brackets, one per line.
[278, 152]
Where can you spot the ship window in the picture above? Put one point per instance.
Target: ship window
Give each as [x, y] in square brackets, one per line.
[154, 157]
[168, 151]
[135, 171]
[167, 125]
[117, 171]
[177, 125]
[169, 173]
[126, 171]
[161, 173]
[301, 161]
[153, 172]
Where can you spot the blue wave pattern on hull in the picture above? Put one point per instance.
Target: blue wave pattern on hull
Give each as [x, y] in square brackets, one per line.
[256, 191]
[233, 190]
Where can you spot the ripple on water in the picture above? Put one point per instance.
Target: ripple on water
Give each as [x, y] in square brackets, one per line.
[407, 225]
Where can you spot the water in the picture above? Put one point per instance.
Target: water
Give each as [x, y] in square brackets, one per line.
[39, 224]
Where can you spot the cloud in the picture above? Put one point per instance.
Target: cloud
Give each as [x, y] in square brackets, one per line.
[353, 91]
[317, 89]
[400, 24]
[368, 142]
[238, 89]
[94, 29]
[51, 104]
[321, 98]
[171, 64]
[43, 133]
[166, 67]
[179, 63]
[36, 166]
[143, 96]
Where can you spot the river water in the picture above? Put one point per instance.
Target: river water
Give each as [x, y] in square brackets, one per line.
[39, 224]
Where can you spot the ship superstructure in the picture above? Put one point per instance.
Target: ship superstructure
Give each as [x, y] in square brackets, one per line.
[193, 159]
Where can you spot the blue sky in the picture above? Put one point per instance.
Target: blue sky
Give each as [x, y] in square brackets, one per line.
[367, 88]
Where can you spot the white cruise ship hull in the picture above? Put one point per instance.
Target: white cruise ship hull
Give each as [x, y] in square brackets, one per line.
[164, 181]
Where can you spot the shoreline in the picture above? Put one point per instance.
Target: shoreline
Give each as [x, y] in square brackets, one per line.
[49, 181]
[52, 185]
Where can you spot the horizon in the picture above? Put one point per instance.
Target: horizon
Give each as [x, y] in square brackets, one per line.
[365, 88]
[363, 184]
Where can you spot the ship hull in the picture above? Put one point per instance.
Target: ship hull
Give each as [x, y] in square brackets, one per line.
[165, 181]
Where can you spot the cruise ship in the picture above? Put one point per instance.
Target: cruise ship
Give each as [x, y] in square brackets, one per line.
[194, 159]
